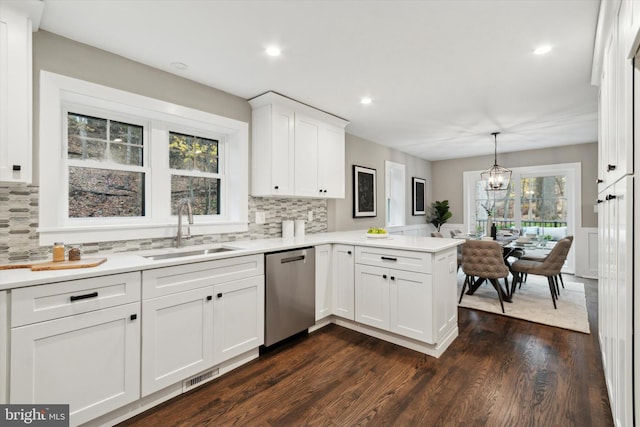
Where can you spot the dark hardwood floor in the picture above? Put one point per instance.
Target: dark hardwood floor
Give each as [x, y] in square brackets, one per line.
[499, 372]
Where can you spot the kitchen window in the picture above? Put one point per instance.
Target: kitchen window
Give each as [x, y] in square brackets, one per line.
[123, 162]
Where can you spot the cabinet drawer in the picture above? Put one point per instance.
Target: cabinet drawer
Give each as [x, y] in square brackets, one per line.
[419, 262]
[52, 301]
[169, 280]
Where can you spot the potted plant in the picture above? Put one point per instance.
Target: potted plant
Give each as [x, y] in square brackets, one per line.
[439, 213]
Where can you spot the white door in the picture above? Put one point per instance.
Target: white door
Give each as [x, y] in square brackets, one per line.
[343, 281]
[323, 281]
[177, 341]
[411, 305]
[372, 296]
[90, 361]
[307, 135]
[238, 317]
[282, 150]
[331, 162]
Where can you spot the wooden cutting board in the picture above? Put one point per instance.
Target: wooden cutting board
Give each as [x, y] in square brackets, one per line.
[60, 265]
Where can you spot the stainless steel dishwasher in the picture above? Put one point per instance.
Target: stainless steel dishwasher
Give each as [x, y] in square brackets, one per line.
[290, 296]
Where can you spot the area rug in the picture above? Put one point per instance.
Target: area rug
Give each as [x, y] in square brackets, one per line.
[533, 303]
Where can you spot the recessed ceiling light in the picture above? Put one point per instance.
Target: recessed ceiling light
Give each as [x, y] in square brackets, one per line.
[179, 66]
[541, 50]
[273, 51]
[366, 101]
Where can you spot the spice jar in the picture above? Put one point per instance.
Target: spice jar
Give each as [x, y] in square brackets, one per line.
[58, 251]
[74, 253]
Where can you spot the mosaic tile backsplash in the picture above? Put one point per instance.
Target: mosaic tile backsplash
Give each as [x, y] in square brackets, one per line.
[19, 223]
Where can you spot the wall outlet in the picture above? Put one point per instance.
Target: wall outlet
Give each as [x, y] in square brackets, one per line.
[310, 216]
[260, 218]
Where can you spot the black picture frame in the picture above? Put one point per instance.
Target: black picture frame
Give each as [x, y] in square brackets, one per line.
[418, 190]
[364, 192]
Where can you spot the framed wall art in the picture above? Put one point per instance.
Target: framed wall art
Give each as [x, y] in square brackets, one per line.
[364, 192]
[418, 186]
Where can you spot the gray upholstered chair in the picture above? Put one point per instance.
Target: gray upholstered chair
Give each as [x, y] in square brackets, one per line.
[533, 257]
[550, 268]
[483, 259]
[436, 234]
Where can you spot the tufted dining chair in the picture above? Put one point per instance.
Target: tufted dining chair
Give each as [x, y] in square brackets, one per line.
[530, 257]
[550, 267]
[455, 232]
[483, 259]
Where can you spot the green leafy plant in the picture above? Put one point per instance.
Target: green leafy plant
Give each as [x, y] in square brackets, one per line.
[439, 213]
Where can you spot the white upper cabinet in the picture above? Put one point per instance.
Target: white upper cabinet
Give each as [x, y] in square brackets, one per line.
[616, 98]
[17, 20]
[297, 151]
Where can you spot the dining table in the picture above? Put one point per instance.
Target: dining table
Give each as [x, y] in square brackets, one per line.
[515, 247]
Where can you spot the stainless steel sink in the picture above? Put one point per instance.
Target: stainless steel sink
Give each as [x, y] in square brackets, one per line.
[172, 255]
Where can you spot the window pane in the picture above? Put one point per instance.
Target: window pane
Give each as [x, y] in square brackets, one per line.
[543, 201]
[187, 152]
[92, 138]
[105, 193]
[497, 203]
[204, 194]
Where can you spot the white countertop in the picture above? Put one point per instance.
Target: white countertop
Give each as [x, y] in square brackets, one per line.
[135, 261]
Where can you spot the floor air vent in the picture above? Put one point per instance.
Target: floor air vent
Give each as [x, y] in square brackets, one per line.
[200, 379]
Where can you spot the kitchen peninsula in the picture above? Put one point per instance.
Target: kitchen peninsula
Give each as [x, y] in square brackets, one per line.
[129, 315]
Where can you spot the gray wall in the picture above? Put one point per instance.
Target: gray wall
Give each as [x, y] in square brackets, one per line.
[362, 152]
[447, 174]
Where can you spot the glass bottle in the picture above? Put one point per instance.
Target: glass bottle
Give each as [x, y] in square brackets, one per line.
[58, 251]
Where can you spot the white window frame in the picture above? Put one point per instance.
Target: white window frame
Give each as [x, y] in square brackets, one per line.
[574, 196]
[60, 93]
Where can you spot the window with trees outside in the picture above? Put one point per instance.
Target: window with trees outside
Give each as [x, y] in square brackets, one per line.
[127, 160]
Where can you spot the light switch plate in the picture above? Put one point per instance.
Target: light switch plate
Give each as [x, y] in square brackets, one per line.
[260, 218]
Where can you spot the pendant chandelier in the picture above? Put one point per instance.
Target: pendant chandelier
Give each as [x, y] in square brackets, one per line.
[496, 178]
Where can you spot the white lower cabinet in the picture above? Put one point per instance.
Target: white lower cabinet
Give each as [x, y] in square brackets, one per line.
[324, 277]
[409, 293]
[90, 361]
[394, 300]
[343, 288]
[198, 315]
[177, 337]
[238, 318]
[372, 296]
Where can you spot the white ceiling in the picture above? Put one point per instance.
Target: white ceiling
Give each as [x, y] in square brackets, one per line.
[443, 74]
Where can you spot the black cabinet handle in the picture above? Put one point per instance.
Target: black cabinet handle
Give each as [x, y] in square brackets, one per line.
[599, 181]
[219, 295]
[276, 187]
[386, 258]
[209, 297]
[599, 201]
[611, 168]
[133, 317]
[348, 252]
[85, 296]
[611, 196]
[393, 278]
[17, 168]
[384, 276]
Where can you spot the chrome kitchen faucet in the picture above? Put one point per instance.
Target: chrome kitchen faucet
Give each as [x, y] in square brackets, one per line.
[181, 204]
